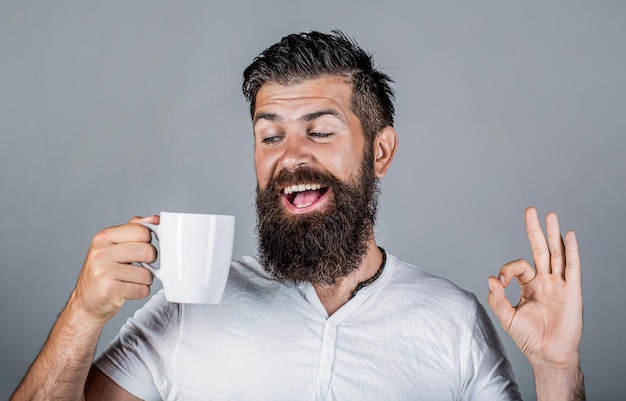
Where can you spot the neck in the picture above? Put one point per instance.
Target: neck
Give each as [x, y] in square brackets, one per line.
[335, 296]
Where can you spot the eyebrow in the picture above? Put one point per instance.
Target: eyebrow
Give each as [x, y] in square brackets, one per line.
[306, 118]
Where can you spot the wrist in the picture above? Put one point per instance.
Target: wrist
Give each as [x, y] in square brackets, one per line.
[571, 364]
[79, 313]
[559, 381]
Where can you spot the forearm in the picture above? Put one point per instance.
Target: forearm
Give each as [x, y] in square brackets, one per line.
[557, 384]
[60, 370]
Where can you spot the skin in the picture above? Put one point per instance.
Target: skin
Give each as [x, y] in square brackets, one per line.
[546, 324]
[288, 121]
[312, 124]
[106, 281]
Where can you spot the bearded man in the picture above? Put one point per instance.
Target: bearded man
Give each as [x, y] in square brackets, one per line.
[323, 312]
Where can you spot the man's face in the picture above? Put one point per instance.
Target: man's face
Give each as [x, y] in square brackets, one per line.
[307, 125]
[316, 195]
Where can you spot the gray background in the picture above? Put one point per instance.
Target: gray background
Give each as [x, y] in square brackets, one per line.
[110, 110]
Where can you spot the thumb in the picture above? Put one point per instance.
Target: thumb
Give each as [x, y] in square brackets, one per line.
[499, 303]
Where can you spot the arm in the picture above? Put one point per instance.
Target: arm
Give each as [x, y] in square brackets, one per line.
[547, 323]
[100, 387]
[106, 281]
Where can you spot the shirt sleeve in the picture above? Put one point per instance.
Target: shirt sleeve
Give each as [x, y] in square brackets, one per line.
[489, 373]
[138, 358]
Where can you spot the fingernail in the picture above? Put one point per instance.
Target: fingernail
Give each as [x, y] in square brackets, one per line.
[490, 286]
[502, 279]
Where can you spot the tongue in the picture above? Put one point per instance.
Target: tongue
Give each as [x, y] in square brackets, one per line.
[307, 198]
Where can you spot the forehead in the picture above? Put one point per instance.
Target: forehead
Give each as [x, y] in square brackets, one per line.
[329, 92]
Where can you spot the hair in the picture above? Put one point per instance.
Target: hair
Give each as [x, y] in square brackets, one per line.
[303, 56]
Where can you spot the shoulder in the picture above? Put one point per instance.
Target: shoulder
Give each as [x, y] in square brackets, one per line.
[423, 300]
[427, 287]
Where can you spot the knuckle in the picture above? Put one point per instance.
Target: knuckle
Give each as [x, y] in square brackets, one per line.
[513, 264]
[106, 289]
[98, 253]
[100, 274]
[101, 236]
[135, 219]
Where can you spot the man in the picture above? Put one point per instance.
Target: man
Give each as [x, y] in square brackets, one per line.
[324, 312]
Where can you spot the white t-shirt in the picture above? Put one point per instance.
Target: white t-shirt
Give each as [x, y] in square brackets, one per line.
[407, 336]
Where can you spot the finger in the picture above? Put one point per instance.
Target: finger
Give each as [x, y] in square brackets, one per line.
[518, 269]
[538, 245]
[154, 219]
[105, 261]
[123, 233]
[133, 274]
[134, 291]
[572, 265]
[555, 241]
[499, 303]
[132, 252]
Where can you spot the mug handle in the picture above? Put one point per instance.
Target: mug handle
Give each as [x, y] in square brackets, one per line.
[155, 229]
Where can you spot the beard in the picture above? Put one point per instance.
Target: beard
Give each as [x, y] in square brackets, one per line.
[324, 245]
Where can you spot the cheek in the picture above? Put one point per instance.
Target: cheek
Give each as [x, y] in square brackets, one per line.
[346, 163]
[263, 170]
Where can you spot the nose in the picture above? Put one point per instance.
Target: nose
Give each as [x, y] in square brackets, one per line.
[296, 152]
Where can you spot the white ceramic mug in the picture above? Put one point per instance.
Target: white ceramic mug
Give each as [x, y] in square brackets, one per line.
[195, 252]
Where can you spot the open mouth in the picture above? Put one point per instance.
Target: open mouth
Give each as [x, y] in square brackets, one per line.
[303, 196]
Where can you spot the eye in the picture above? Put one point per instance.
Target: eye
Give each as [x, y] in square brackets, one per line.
[320, 134]
[271, 140]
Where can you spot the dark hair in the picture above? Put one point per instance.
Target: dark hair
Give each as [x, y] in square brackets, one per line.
[301, 56]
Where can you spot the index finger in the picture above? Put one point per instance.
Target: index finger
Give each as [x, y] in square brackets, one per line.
[130, 232]
[154, 219]
[538, 244]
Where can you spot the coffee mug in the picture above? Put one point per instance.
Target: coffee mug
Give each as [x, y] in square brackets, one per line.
[195, 252]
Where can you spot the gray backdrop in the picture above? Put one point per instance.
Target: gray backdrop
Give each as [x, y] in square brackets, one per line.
[110, 110]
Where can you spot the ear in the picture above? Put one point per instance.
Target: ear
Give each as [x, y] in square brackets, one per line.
[385, 145]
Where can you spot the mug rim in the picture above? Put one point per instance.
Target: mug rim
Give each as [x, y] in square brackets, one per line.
[198, 214]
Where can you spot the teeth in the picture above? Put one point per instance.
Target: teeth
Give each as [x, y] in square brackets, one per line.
[301, 188]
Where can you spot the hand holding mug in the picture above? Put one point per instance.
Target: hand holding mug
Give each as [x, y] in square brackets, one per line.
[108, 277]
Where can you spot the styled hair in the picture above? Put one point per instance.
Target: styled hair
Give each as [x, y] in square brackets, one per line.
[303, 56]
